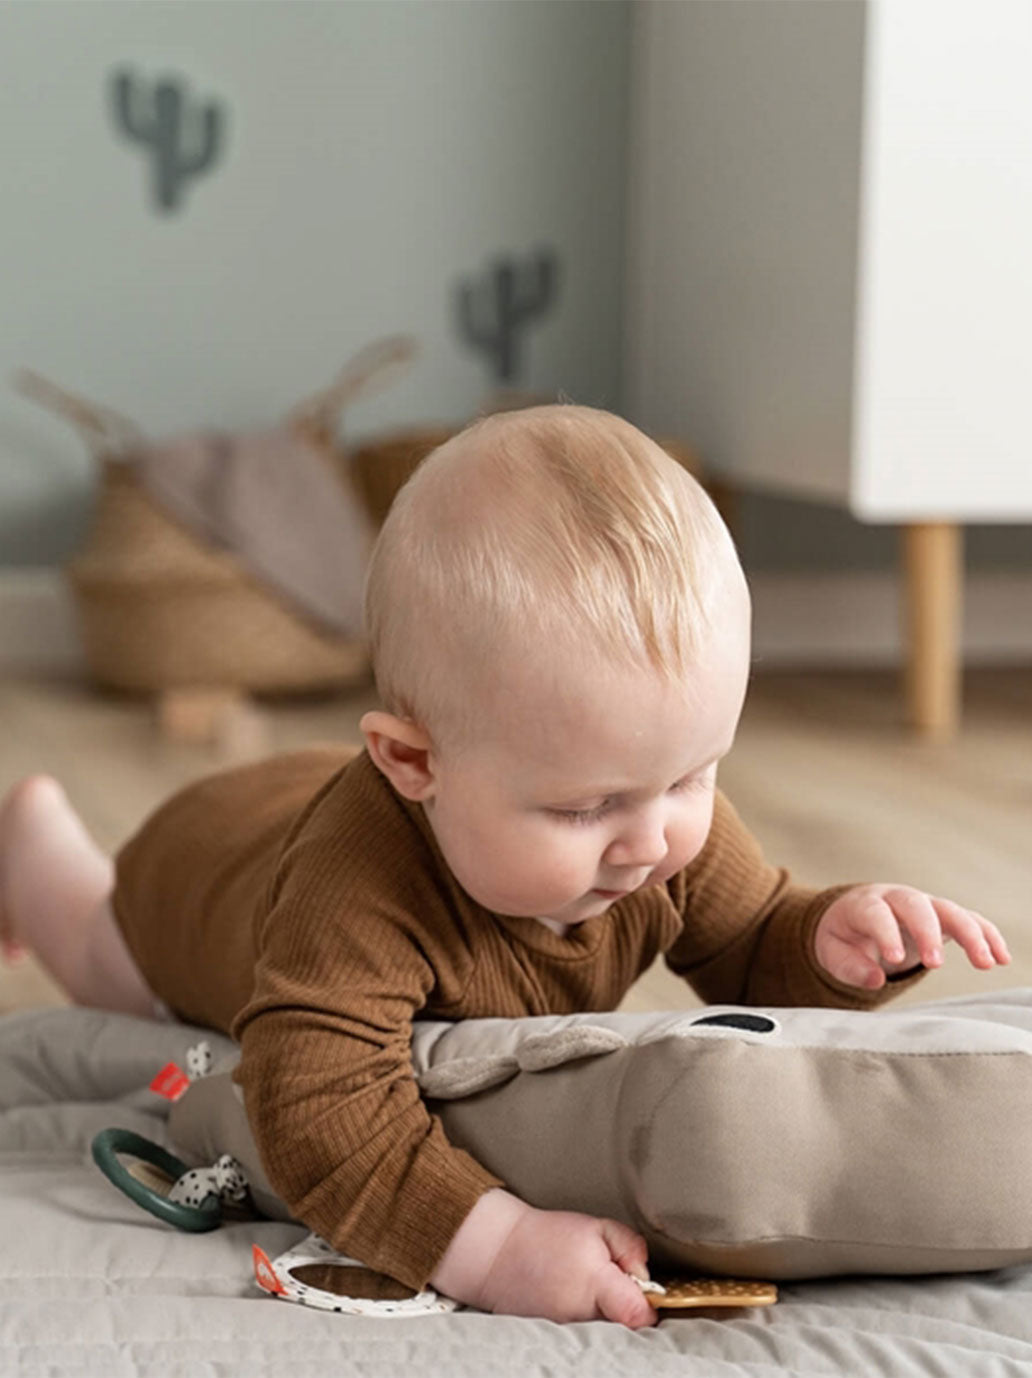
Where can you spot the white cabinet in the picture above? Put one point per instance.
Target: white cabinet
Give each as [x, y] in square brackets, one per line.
[830, 264]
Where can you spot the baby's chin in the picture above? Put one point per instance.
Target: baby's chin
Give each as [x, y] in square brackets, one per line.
[589, 906]
[568, 914]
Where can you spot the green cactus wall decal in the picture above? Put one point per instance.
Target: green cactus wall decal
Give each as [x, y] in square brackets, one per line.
[183, 139]
[494, 310]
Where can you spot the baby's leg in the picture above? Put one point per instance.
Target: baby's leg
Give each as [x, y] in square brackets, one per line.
[55, 888]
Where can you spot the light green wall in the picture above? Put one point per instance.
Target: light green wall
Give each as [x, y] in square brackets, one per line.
[377, 151]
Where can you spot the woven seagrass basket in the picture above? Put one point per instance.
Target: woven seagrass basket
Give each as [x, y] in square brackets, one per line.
[159, 609]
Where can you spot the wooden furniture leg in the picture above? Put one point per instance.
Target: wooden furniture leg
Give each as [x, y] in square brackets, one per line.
[189, 714]
[221, 718]
[933, 558]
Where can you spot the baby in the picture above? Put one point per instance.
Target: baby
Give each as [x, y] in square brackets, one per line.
[560, 632]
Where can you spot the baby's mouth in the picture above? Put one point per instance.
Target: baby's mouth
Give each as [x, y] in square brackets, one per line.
[623, 889]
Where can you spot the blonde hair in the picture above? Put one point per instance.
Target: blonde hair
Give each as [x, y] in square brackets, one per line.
[556, 525]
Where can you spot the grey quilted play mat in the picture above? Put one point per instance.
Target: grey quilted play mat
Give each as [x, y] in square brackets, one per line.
[93, 1285]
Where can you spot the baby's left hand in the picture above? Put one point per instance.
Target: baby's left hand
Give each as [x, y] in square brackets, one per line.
[872, 930]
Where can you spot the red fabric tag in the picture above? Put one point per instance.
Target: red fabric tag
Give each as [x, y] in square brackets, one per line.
[170, 1082]
[265, 1274]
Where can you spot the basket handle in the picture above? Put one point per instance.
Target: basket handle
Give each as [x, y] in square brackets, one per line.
[369, 368]
[105, 431]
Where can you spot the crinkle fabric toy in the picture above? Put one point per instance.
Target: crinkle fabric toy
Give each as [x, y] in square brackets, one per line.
[225, 1179]
[199, 1060]
[767, 1143]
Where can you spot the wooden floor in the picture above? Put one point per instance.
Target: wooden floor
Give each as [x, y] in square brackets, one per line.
[824, 772]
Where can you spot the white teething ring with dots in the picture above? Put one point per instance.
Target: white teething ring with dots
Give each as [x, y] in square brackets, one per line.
[277, 1277]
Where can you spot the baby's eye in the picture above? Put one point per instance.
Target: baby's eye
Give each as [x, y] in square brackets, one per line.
[583, 815]
[684, 786]
[691, 782]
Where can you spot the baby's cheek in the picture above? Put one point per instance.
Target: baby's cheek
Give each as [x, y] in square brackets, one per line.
[686, 841]
[570, 868]
[546, 859]
[544, 876]
[503, 869]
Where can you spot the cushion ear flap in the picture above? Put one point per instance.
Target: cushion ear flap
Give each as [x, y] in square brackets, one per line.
[459, 1077]
[539, 1052]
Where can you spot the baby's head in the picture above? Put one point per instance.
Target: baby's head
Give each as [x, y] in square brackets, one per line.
[559, 627]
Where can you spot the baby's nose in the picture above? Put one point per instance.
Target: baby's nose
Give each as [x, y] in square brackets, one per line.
[644, 845]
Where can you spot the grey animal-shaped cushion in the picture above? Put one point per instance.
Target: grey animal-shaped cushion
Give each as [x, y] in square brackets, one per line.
[779, 1143]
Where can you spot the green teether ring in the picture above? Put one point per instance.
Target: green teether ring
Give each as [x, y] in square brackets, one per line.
[106, 1147]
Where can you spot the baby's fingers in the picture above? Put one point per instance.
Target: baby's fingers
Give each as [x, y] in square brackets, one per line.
[997, 942]
[627, 1248]
[980, 939]
[877, 931]
[916, 912]
[619, 1298]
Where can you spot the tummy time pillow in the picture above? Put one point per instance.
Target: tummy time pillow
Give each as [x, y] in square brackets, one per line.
[773, 1143]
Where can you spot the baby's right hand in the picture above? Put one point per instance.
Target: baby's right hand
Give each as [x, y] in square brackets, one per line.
[556, 1264]
[569, 1267]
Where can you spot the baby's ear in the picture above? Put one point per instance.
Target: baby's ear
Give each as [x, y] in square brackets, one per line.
[401, 750]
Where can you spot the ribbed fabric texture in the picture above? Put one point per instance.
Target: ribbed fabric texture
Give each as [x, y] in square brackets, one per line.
[303, 906]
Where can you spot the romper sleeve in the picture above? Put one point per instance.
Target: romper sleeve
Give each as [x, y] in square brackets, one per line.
[327, 1076]
[748, 931]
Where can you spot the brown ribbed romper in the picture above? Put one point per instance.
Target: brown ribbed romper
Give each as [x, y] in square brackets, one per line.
[301, 905]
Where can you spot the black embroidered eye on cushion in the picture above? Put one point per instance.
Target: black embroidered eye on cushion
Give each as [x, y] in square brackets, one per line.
[754, 1023]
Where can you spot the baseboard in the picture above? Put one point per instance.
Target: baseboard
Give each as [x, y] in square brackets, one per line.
[829, 619]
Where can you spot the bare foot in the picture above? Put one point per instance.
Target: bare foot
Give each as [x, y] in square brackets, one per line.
[52, 873]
